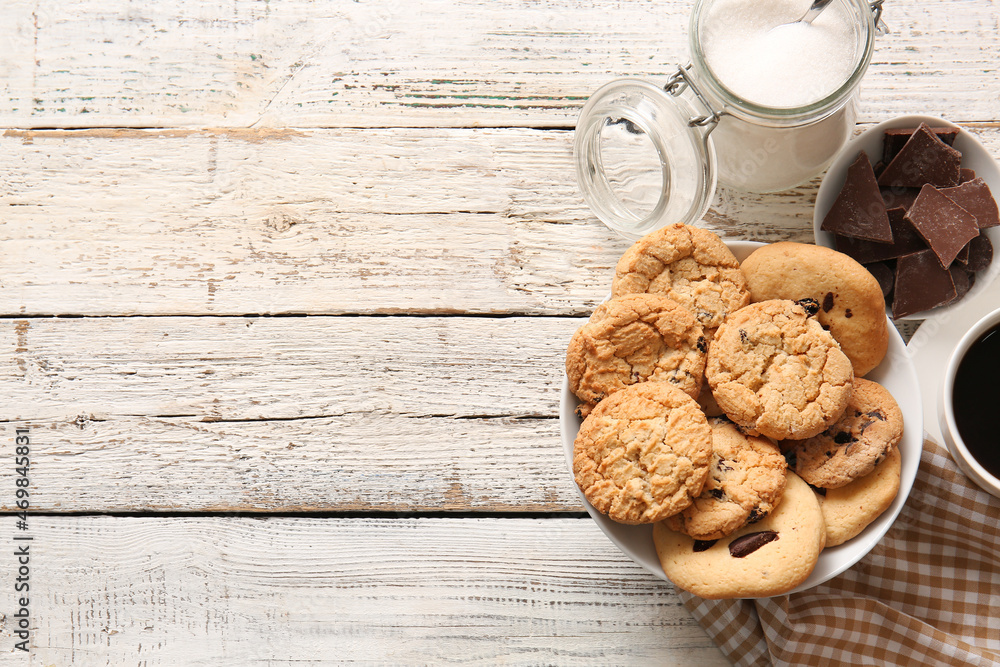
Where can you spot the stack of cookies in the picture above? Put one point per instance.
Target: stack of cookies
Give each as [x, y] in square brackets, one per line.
[725, 404]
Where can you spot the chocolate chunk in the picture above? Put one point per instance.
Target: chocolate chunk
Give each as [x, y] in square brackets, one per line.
[976, 198]
[921, 284]
[905, 241]
[943, 224]
[896, 197]
[828, 302]
[746, 544]
[962, 279]
[884, 274]
[980, 253]
[894, 140]
[859, 211]
[967, 175]
[923, 159]
[963, 255]
[703, 545]
[811, 306]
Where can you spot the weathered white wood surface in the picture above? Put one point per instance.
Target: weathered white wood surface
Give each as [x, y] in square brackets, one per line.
[300, 63]
[219, 592]
[401, 174]
[282, 414]
[112, 222]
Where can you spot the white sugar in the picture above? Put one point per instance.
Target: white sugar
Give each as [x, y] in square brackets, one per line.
[752, 51]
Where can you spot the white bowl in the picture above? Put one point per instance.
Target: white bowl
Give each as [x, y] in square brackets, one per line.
[972, 468]
[974, 156]
[896, 373]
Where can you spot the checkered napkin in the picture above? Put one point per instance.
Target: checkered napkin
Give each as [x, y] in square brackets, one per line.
[927, 594]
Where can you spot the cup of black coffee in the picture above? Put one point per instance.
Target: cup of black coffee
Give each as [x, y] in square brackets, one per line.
[970, 404]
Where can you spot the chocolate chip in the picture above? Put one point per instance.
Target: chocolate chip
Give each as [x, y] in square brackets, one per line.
[755, 515]
[702, 344]
[828, 302]
[703, 545]
[746, 544]
[848, 314]
[791, 459]
[811, 306]
[842, 438]
[716, 493]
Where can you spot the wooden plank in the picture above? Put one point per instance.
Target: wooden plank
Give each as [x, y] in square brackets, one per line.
[237, 591]
[356, 462]
[111, 222]
[297, 63]
[228, 369]
[289, 414]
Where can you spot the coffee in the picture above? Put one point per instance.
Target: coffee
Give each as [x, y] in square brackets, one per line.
[976, 399]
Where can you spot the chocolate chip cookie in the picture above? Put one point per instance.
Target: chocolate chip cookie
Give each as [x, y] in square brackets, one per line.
[774, 369]
[850, 509]
[692, 266]
[743, 486]
[849, 299]
[643, 453]
[636, 338]
[871, 425]
[767, 558]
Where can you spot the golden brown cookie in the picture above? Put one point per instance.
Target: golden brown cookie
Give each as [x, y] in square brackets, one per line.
[767, 558]
[636, 338]
[692, 266]
[849, 298]
[643, 453]
[774, 369]
[870, 427]
[851, 508]
[743, 486]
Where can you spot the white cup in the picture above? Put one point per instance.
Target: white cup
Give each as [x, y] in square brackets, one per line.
[946, 412]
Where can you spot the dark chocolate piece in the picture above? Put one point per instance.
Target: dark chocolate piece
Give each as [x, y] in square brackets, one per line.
[967, 175]
[963, 255]
[976, 198]
[899, 197]
[703, 545]
[962, 279]
[921, 284]
[923, 159]
[746, 544]
[884, 274]
[943, 224]
[859, 211]
[905, 241]
[980, 253]
[894, 140]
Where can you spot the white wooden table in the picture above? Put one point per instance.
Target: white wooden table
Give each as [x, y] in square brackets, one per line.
[285, 288]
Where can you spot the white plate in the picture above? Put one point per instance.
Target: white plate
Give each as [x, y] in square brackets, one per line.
[896, 373]
[974, 156]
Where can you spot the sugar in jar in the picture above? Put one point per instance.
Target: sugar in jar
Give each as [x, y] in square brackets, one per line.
[764, 105]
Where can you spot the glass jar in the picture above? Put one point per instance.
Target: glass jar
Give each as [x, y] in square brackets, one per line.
[647, 155]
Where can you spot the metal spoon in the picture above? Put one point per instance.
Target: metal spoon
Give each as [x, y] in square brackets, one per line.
[814, 10]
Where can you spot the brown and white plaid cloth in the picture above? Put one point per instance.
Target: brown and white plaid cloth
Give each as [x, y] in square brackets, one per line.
[927, 594]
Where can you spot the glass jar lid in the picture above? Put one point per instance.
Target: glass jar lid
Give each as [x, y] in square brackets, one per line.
[644, 157]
